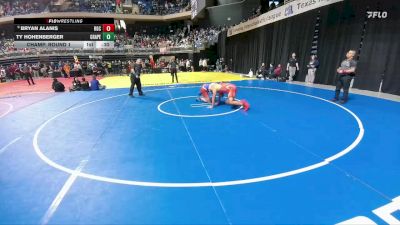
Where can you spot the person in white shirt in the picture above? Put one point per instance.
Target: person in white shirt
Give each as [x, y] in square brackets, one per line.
[201, 64]
[205, 66]
[2, 73]
[250, 74]
[187, 65]
[312, 67]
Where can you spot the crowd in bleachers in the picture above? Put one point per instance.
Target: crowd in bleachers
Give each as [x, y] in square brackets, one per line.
[99, 67]
[22, 7]
[94, 6]
[154, 7]
[181, 37]
[54, 69]
[142, 7]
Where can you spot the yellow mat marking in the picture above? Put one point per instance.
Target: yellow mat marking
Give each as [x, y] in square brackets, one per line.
[165, 79]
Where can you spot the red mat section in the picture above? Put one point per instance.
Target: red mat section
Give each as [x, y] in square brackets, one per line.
[41, 85]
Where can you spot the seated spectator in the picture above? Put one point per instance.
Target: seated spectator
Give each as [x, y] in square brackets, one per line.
[76, 85]
[85, 85]
[262, 72]
[271, 74]
[95, 84]
[250, 74]
[43, 71]
[278, 72]
[58, 86]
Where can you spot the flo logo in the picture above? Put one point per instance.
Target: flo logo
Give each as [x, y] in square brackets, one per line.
[377, 14]
[289, 10]
[387, 213]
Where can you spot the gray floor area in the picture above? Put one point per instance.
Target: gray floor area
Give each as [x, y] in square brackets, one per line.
[352, 90]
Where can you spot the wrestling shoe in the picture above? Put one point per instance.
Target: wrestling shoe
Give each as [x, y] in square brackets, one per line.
[246, 105]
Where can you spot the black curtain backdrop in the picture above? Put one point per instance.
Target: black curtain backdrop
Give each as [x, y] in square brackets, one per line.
[273, 43]
[381, 38]
[341, 29]
[391, 81]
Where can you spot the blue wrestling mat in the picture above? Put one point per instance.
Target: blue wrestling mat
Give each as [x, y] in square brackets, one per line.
[164, 158]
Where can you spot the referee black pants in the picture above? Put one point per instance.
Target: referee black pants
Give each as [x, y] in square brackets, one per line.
[174, 73]
[135, 81]
[343, 81]
[28, 77]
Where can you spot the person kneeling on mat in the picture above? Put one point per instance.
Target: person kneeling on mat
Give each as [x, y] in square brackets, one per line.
[231, 90]
[204, 92]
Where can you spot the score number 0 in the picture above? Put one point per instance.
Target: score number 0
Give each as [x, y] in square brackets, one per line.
[108, 28]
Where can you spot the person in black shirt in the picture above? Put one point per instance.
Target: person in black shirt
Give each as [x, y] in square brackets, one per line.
[26, 70]
[173, 70]
[262, 71]
[345, 74]
[58, 86]
[135, 77]
[85, 85]
[292, 66]
[271, 74]
[76, 85]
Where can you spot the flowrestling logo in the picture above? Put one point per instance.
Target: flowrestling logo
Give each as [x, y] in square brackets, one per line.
[377, 14]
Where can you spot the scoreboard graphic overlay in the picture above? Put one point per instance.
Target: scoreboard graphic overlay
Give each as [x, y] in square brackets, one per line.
[86, 33]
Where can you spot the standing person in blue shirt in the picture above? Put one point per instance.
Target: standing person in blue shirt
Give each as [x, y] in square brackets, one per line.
[95, 84]
[135, 77]
[345, 74]
[312, 68]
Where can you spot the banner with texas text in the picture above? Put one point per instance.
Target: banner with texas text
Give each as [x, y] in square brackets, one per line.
[280, 13]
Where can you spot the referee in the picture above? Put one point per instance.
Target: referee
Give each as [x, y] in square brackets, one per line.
[173, 70]
[135, 78]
